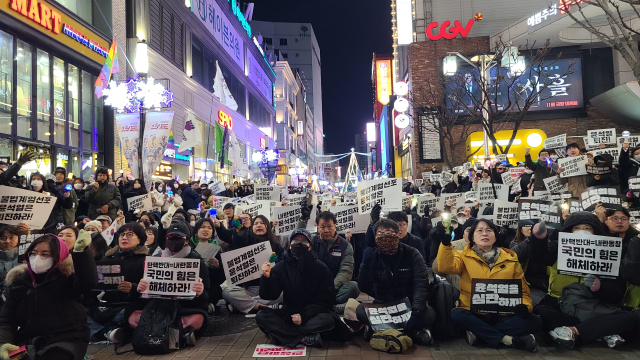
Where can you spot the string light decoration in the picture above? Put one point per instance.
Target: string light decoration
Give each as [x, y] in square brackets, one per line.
[265, 156]
[136, 94]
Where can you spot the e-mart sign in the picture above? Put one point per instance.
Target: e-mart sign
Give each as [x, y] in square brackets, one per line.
[56, 24]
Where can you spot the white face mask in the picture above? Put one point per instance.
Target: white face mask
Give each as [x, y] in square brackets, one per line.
[36, 183]
[78, 186]
[636, 157]
[461, 220]
[554, 157]
[192, 223]
[226, 187]
[528, 171]
[159, 187]
[175, 186]
[40, 264]
[203, 197]
[583, 232]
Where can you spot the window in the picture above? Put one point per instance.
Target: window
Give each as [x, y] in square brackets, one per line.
[268, 41]
[258, 114]
[166, 33]
[59, 108]
[283, 42]
[43, 106]
[87, 117]
[197, 61]
[24, 89]
[296, 40]
[91, 11]
[6, 82]
[297, 54]
[74, 105]
[285, 55]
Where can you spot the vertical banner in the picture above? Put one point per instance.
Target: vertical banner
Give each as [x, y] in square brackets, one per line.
[129, 132]
[156, 136]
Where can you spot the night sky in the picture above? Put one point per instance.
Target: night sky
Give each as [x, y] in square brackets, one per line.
[348, 33]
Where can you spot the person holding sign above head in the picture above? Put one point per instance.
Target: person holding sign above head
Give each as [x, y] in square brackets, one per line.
[577, 183]
[103, 198]
[629, 161]
[308, 295]
[541, 170]
[493, 313]
[335, 252]
[392, 271]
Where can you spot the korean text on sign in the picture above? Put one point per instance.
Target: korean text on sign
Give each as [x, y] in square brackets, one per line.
[586, 254]
[497, 296]
[18, 206]
[245, 264]
[109, 274]
[386, 192]
[287, 217]
[538, 210]
[389, 316]
[171, 277]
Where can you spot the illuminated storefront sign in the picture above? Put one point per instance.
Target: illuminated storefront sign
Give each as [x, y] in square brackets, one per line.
[563, 5]
[300, 127]
[56, 24]
[383, 81]
[453, 31]
[225, 120]
[213, 18]
[263, 143]
[404, 22]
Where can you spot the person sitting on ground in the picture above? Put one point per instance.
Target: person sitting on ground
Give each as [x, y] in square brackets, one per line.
[392, 271]
[478, 261]
[204, 233]
[403, 224]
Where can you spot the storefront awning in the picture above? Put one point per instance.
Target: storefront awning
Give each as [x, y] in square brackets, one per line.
[621, 104]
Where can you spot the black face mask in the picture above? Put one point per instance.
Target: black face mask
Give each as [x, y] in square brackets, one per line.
[175, 245]
[298, 250]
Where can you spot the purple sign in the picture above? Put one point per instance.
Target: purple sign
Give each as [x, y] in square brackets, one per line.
[259, 78]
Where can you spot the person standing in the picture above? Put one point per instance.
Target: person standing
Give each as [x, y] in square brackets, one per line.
[103, 198]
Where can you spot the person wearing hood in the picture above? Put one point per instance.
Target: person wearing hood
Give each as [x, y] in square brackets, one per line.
[69, 215]
[63, 200]
[308, 295]
[483, 259]
[605, 319]
[392, 271]
[245, 297]
[42, 308]
[610, 178]
[103, 198]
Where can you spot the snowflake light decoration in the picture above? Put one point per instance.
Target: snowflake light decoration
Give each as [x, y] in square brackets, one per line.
[136, 94]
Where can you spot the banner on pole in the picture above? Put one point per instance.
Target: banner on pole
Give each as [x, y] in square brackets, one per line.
[129, 133]
[156, 136]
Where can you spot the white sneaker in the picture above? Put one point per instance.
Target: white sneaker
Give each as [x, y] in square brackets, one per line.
[115, 336]
[564, 336]
[613, 340]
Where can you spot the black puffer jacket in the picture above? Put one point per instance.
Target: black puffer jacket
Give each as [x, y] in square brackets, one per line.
[410, 239]
[132, 269]
[541, 171]
[535, 271]
[395, 277]
[246, 237]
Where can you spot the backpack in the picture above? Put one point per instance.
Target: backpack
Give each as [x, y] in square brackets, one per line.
[159, 330]
[442, 298]
[391, 341]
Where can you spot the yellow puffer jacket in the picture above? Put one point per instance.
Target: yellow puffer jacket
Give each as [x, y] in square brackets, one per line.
[469, 265]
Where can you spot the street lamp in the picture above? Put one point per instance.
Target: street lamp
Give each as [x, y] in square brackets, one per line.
[486, 62]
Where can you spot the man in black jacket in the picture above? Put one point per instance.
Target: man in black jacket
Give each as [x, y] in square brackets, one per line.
[402, 220]
[396, 271]
[190, 197]
[541, 170]
[308, 293]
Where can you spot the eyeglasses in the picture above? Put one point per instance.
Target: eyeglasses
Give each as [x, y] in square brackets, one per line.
[128, 235]
[621, 219]
[481, 231]
[43, 254]
[386, 233]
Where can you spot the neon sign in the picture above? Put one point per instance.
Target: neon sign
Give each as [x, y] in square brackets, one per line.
[453, 31]
[563, 5]
[42, 14]
[84, 40]
[263, 143]
[225, 120]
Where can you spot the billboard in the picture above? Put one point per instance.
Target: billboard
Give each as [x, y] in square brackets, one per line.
[383, 81]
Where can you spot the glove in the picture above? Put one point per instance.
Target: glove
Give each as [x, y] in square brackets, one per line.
[592, 282]
[522, 311]
[367, 255]
[84, 239]
[445, 238]
[7, 348]
[415, 323]
[306, 212]
[375, 213]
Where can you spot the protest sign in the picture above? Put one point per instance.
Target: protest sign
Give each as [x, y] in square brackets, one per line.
[436, 178]
[18, 205]
[516, 172]
[538, 210]
[350, 220]
[574, 205]
[26, 238]
[428, 200]
[559, 141]
[426, 175]
[109, 274]
[466, 166]
[470, 195]
[589, 145]
[245, 264]
[287, 217]
[486, 192]
[262, 207]
[598, 170]
[264, 181]
[220, 201]
[217, 187]
[553, 185]
[264, 192]
[573, 166]
[326, 197]
[140, 202]
[393, 315]
[269, 350]
[634, 182]
[171, 278]
[284, 192]
[635, 216]
[408, 200]
[505, 213]
[385, 192]
[608, 196]
[602, 136]
[250, 199]
[297, 199]
[561, 196]
[450, 200]
[585, 254]
[614, 152]
[207, 250]
[418, 182]
[500, 158]
[507, 179]
[633, 140]
[446, 176]
[495, 296]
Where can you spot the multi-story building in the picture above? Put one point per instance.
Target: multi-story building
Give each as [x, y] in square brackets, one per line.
[360, 146]
[285, 127]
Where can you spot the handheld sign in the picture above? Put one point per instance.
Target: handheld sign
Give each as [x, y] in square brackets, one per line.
[277, 351]
[586, 254]
[608, 196]
[264, 192]
[553, 185]
[495, 296]
[287, 217]
[539, 210]
[350, 220]
[171, 278]
[261, 208]
[505, 213]
[245, 264]
[217, 187]
[555, 142]
[392, 315]
[386, 192]
[486, 192]
[19, 205]
[140, 202]
[602, 136]
[573, 166]
[109, 274]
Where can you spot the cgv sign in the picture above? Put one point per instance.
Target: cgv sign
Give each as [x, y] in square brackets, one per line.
[452, 31]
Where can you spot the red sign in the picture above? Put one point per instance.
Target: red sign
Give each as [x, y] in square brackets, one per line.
[453, 31]
[263, 143]
[225, 120]
[39, 13]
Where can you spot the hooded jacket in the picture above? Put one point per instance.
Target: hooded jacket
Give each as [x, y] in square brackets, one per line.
[107, 194]
[628, 167]
[469, 265]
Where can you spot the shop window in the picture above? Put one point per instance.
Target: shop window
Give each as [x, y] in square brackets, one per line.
[59, 108]
[44, 96]
[283, 42]
[74, 106]
[87, 166]
[6, 81]
[87, 123]
[93, 12]
[6, 150]
[24, 81]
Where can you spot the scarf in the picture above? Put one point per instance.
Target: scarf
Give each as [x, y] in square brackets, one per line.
[179, 255]
[488, 257]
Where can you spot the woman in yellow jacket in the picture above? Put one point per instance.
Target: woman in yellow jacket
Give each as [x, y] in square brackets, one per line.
[483, 259]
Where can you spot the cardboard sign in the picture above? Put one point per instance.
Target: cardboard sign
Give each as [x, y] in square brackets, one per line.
[507, 179]
[171, 278]
[559, 141]
[220, 201]
[287, 217]
[486, 194]
[470, 196]
[350, 220]
[452, 200]
[633, 140]
[109, 274]
[386, 192]
[428, 200]
[573, 166]
[505, 213]
[608, 196]
[602, 136]
[614, 152]
[207, 250]
[261, 208]
[19, 206]
[538, 210]
[553, 185]
[392, 315]
[269, 350]
[245, 264]
[495, 296]
[217, 187]
[634, 182]
[140, 202]
[585, 254]
[263, 192]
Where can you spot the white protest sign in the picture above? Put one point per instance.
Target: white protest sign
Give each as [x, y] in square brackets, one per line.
[500, 158]
[466, 166]
[470, 196]
[446, 176]
[585, 254]
[559, 141]
[171, 278]
[217, 187]
[350, 220]
[250, 199]
[297, 199]
[608, 196]
[588, 145]
[245, 264]
[633, 140]
[428, 200]
[269, 350]
[426, 175]
[635, 216]
[614, 152]
[409, 200]
[220, 201]
[141, 202]
[386, 192]
[507, 179]
[505, 213]
[450, 200]
[262, 207]
[326, 197]
[487, 195]
[573, 166]
[634, 183]
[207, 250]
[418, 182]
[264, 192]
[264, 181]
[436, 177]
[287, 217]
[602, 136]
[18, 205]
[553, 185]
